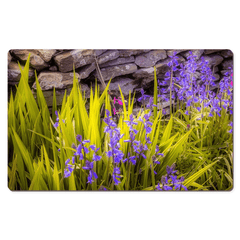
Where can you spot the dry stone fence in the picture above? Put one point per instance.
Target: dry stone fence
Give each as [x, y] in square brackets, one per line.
[131, 69]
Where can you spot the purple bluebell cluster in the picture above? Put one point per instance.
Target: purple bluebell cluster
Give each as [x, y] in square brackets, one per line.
[68, 168]
[170, 181]
[144, 97]
[114, 152]
[187, 87]
[92, 174]
[81, 153]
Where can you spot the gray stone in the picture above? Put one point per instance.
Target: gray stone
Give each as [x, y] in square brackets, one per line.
[126, 85]
[53, 68]
[111, 72]
[130, 52]
[85, 71]
[197, 52]
[100, 51]
[144, 73]
[108, 56]
[77, 58]
[36, 61]
[14, 73]
[227, 63]
[9, 57]
[170, 52]
[46, 54]
[213, 60]
[226, 53]
[118, 61]
[149, 59]
[50, 80]
[210, 51]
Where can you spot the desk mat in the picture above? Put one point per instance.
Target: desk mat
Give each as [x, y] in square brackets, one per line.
[120, 120]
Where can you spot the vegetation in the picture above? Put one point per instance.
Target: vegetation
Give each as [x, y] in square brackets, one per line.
[73, 148]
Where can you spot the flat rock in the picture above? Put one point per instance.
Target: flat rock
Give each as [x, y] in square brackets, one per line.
[149, 59]
[50, 80]
[46, 54]
[226, 53]
[100, 51]
[130, 52]
[126, 85]
[85, 71]
[36, 61]
[210, 51]
[82, 57]
[171, 51]
[197, 52]
[213, 59]
[118, 61]
[108, 56]
[227, 63]
[112, 72]
[77, 58]
[14, 73]
[144, 73]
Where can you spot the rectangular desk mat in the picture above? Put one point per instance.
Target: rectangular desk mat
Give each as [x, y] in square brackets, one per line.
[120, 120]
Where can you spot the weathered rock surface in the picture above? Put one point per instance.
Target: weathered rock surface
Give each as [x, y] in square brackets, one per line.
[126, 85]
[118, 61]
[210, 51]
[9, 58]
[108, 56]
[14, 73]
[36, 61]
[46, 54]
[53, 68]
[213, 59]
[227, 53]
[111, 72]
[77, 58]
[85, 71]
[83, 57]
[227, 63]
[170, 52]
[196, 52]
[149, 59]
[130, 52]
[144, 73]
[50, 80]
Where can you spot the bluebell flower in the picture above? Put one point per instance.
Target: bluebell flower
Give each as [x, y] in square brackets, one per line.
[143, 97]
[116, 172]
[130, 159]
[68, 169]
[92, 174]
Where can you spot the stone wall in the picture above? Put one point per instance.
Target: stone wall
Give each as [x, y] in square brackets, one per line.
[131, 69]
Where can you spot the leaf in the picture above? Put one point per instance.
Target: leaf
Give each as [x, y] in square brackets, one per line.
[198, 174]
